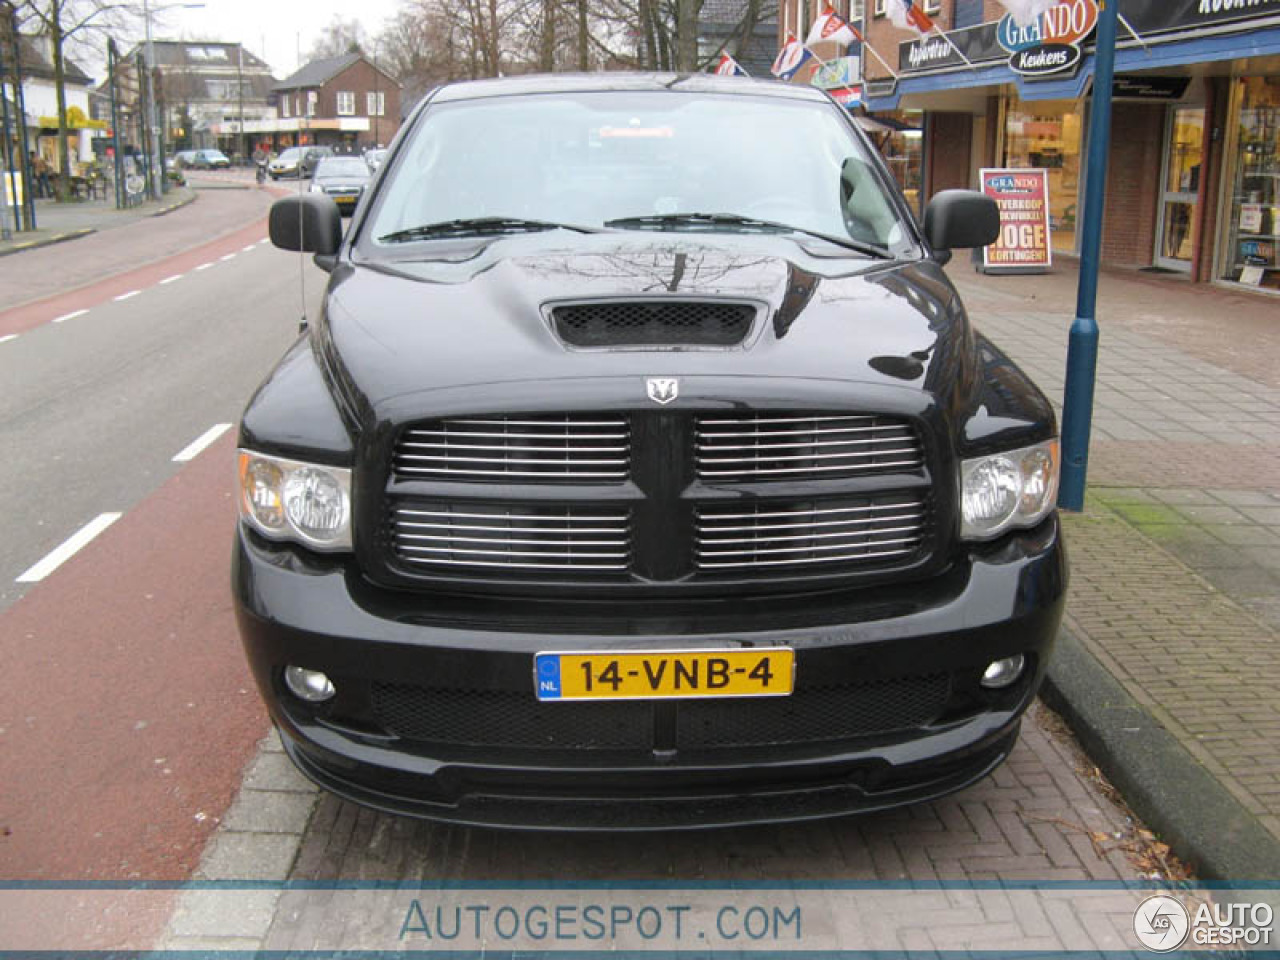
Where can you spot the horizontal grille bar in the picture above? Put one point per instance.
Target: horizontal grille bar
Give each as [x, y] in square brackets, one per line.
[795, 447]
[516, 538]
[526, 448]
[859, 533]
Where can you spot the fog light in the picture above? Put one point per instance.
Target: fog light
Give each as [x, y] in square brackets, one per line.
[1001, 673]
[310, 685]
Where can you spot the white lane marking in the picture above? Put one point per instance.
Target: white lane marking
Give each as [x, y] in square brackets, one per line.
[192, 449]
[72, 545]
[174, 279]
[205, 266]
[229, 256]
[249, 248]
[70, 316]
[7, 338]
[126, 296]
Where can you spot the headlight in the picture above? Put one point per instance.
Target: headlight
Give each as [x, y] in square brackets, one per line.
[290, 500]
[1014, 489]
[316, 188]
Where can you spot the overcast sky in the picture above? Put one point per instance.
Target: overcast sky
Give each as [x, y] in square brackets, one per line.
[272, 29]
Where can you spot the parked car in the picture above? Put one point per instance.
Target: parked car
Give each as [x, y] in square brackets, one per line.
[207, 160]
[183, 159]
[643, 470]
[375, 158]
[297, 162]
[343, 179]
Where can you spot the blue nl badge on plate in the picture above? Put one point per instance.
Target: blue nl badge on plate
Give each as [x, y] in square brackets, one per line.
[547, 675]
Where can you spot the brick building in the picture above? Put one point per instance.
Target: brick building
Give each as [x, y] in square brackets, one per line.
[343, 102]
[1194, 172]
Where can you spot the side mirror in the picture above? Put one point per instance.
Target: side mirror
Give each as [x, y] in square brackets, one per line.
[310, 222]
[958, 219]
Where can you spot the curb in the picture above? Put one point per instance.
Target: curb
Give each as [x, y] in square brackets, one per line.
[185, 201]
[26, 245]
[1203, 823]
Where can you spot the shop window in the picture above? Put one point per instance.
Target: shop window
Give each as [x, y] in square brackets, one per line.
[1047, 135]
[1253, 228]
[968, 13]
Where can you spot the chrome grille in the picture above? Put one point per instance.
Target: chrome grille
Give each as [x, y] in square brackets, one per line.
[526, 449]
[801, 447]
[869, 530]
[528, 537]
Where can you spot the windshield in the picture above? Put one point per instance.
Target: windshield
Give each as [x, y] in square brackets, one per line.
[291, 154]
[342, 167]
[593, 158]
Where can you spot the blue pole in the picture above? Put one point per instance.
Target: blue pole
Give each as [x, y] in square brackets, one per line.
[1082, 352]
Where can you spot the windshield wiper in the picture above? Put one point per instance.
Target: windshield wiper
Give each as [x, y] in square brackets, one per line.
[663, 221]
[477, 227]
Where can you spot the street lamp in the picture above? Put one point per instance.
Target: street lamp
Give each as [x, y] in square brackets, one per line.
[155, 168]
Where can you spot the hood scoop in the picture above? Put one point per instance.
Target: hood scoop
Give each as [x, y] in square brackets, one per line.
[655, 322]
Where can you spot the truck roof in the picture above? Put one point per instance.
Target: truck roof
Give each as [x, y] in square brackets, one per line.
[623, 81]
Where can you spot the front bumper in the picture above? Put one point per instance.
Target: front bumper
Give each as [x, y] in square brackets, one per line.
[296, 608]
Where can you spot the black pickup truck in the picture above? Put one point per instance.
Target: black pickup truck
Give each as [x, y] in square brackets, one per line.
[643, 471]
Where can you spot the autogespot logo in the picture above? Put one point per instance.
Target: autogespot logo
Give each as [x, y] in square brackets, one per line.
[1161, 924]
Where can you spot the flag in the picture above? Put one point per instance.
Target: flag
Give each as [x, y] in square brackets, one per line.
[791, 58]
[831, 27]
[909, 14]
[729, 67]
[1027, 12]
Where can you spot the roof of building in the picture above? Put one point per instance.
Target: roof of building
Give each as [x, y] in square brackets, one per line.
[318, 72]
[205, 54]
[35, 62]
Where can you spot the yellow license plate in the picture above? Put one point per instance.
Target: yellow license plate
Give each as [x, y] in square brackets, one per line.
[664, 674]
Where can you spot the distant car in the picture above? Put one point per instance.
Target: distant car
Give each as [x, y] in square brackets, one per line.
[375, 158]
[298, 162]
[342, 178]
[183, 159]
[207, 160]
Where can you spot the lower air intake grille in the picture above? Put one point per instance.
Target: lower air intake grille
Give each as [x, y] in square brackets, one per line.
[516, 537]
[654, 323]
[816, 714]
[779, 534]
[500, 718]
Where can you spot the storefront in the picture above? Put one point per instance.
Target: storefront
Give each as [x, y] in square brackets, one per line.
[1194, 170]
[1252, 201]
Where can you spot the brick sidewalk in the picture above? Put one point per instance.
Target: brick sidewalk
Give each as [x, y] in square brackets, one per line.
[1176, 560]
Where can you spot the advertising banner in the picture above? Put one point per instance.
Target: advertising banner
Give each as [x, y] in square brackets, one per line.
[1024, 242]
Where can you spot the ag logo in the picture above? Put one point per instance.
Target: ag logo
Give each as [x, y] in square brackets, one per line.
[1161, 923]
[662, 389]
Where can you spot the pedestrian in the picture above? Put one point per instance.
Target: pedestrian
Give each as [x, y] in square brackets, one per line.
[40, 170]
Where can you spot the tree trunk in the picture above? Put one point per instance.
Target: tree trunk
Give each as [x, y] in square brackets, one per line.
[687, 35]
[584, 38]
[547, 48]
[60, 86]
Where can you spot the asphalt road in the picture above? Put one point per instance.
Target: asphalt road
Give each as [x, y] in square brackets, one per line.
[126, 712]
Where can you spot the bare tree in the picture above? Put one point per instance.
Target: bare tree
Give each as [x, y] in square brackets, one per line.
[341, 35]
[65, 23]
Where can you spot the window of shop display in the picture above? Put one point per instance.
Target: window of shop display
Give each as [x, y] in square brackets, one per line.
[1254, 222]
[1048, 135]
[901, 143]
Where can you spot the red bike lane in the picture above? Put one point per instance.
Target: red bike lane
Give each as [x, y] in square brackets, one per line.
[127, 713]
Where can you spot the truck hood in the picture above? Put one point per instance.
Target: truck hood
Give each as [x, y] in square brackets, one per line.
[431, 335]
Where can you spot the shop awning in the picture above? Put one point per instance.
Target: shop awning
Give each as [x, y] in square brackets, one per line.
[1130, 58]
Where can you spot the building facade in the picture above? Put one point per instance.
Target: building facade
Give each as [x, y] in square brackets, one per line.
[344, 102]
[1194, 170]
[209, 93]
[40, 96]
